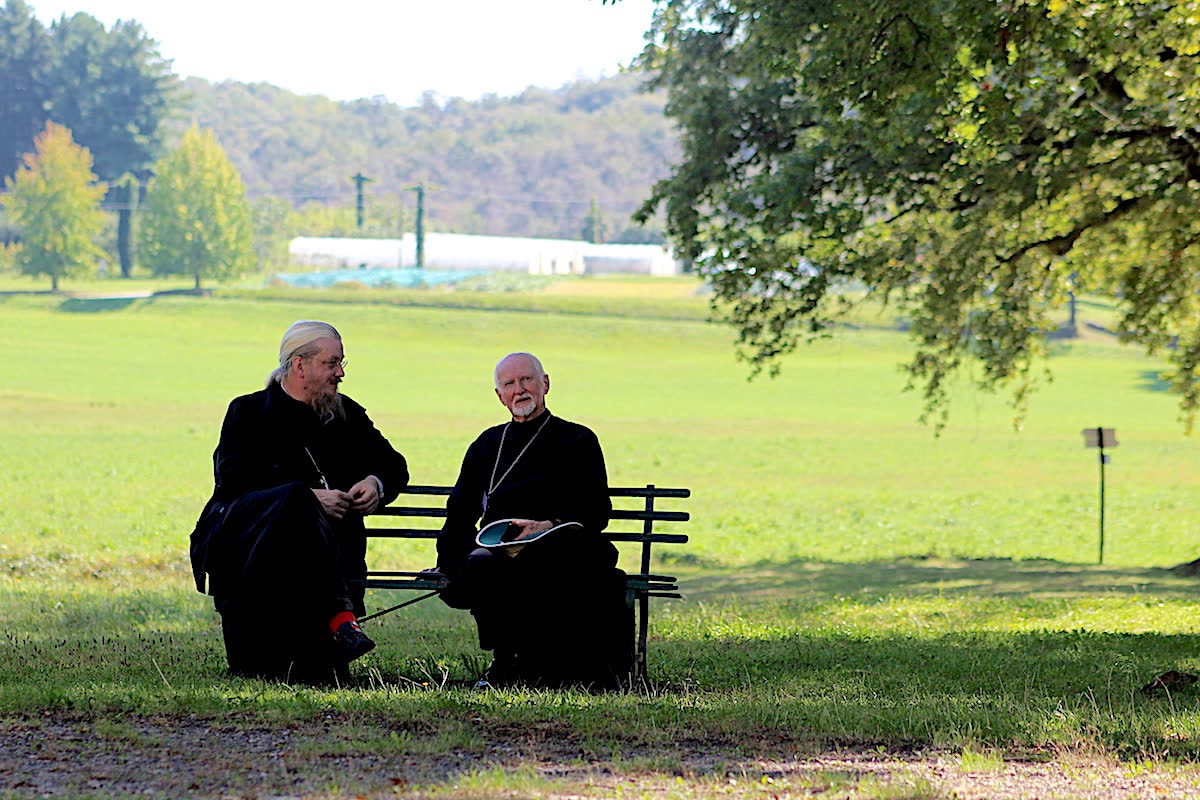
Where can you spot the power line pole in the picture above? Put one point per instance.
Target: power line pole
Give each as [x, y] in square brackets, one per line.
[359, 180]
[420, 190]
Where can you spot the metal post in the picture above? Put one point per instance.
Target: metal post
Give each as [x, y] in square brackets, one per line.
[359, 179]
[1101, 438]
[644, 600]
[420, 226]
[1103, 461]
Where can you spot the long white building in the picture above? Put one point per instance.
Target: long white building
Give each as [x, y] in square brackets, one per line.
[458, 251]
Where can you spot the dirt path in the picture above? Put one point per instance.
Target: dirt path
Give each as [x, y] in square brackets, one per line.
[187, 757]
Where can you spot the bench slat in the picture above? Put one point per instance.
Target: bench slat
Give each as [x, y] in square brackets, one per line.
[400, 583]
[439, 491]
[645, 491]
[410, 511]
[657, 516]
[402, 533]
[663, 538]
[617, 513]
[432, 533]
[620, 491]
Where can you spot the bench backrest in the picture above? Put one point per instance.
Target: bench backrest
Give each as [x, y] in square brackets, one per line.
[646, 513]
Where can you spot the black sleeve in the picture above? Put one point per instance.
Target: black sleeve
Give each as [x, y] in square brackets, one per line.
[593, 507]
[464, 508]
[380, 459]
[241, 462]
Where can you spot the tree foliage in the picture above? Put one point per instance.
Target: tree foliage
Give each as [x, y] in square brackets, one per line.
[196, 219]
[970, 161]
[528, 165]
[110, 87]
[55, 198]
[24, 64]
[114, 90]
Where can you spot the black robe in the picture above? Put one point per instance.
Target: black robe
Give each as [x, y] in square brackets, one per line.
[561, 476]
[263, 530]
[559, 602]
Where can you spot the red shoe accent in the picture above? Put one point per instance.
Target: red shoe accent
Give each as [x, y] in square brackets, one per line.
[341, 619]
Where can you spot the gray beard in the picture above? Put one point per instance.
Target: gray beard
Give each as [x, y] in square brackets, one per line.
[329, 407]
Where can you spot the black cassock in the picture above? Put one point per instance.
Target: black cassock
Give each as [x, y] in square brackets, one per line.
[277, 566]
[559, 603]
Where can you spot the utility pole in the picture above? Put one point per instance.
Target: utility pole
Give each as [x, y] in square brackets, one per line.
[420, 190]
[359, 179]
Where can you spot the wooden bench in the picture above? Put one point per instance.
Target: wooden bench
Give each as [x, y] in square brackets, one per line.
[640, 586]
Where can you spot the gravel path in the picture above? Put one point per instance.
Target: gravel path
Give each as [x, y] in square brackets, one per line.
[187, 757]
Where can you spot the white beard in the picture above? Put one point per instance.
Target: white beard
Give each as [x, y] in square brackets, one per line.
[329, 407]
[524, 408]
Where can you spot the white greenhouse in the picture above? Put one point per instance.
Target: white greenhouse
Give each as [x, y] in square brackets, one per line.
[457, 251]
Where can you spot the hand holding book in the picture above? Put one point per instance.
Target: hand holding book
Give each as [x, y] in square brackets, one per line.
[513, 534]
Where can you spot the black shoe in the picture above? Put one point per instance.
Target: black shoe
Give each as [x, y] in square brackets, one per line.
[501, 672]
[350, 642]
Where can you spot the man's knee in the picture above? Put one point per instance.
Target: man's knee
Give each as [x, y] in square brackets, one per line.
[481, 561]
[475, 582]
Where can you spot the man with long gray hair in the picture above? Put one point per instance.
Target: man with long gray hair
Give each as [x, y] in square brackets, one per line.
[282, 539]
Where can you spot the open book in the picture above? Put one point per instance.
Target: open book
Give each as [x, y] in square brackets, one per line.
[503, 533]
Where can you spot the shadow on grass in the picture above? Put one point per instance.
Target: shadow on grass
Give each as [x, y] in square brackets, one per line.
[1031, 691]
[97, 305]
[915, 577]
[84, 304]
[756, 662]
[1152, 380]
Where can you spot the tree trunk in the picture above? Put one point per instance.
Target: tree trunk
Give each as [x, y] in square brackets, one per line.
[125, 237]
[197, 281]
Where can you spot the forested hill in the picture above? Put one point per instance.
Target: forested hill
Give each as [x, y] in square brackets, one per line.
[532, 165]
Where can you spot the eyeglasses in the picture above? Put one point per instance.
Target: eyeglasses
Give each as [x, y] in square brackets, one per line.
[334, 363]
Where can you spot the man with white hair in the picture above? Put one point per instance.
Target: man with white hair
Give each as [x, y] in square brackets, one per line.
[552, 610]
[282, 540]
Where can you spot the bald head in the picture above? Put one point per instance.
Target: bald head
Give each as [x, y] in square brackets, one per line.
[522, 385]
[520, 360]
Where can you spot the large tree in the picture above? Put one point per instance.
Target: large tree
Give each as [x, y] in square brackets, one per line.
[196, 219]
[113, 89]
[24, 64]
[971, 161]
[55, 198]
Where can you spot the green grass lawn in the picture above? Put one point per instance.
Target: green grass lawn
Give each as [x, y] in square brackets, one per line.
[851, 576]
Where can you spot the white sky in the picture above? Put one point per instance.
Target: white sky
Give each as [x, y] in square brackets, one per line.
[397, 48]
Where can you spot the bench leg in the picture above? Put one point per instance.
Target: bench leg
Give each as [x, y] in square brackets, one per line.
[643, 624]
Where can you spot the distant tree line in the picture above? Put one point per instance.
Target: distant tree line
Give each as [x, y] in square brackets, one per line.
[573, 162]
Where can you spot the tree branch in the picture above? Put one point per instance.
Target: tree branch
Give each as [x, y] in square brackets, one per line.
[1062, 244]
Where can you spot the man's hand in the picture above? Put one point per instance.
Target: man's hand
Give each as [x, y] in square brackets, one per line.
[364, 495]
[529, 527]
[334, 502]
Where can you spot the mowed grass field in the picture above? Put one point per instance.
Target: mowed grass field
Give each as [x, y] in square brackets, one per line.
[852, 578]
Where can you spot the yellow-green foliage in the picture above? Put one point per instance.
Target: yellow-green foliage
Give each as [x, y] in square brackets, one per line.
[197, 220]
[55, 199]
